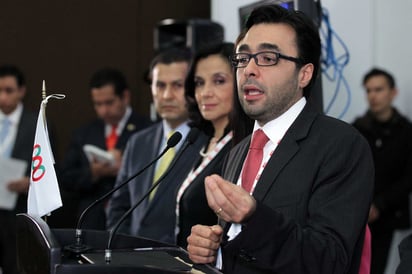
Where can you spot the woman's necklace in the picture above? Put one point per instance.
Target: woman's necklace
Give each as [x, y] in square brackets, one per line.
[210, 148]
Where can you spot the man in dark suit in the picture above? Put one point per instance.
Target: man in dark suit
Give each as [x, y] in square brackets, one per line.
[155, 217]
[389, 134]
[90, 178]
[18, 144]
[307, 201]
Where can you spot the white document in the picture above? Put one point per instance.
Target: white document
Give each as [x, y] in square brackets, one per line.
[95, 153]
[10, 169]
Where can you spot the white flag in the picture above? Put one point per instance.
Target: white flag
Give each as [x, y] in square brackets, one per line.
[44, 194]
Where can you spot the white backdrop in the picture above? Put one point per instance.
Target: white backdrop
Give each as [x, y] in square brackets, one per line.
[376, 33]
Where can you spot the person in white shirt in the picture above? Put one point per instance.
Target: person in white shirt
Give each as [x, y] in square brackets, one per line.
[18, 127]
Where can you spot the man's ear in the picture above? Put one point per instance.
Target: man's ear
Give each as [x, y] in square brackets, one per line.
[394, 92]
[22, 92]
[305, 75]
[126, 96]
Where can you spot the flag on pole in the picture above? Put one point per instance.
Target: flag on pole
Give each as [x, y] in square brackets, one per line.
[44, 194]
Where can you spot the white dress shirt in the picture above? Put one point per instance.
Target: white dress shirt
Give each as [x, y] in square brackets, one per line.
[14, 118]
[274, 130]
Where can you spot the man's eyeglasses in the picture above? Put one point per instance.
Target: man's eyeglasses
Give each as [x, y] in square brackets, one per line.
[263, 58]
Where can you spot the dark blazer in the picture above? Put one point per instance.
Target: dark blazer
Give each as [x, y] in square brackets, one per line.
[23, 149]
[193, 207]
[405, 255]
[156, 219]
[76, 174]
[313, 200]
[391, 147]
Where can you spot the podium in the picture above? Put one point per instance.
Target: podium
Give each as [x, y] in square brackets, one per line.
[40, 250]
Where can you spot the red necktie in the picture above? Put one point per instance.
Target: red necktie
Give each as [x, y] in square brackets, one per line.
[111, 140]
[253, 159]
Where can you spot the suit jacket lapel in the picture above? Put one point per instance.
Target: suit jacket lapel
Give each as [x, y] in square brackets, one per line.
[21, 133]
[181, 164]
[129, 128]
[285, 151]
[280, 158]
[26, 127]
[234, 162]
[157, 139]
[100, 137]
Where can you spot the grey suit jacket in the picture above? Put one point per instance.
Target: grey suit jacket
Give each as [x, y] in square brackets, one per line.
[313, 200]
[155, 219]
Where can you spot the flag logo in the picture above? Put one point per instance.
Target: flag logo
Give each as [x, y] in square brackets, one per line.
[38, 170]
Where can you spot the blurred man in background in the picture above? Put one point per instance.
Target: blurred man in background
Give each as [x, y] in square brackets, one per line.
[389, 134]
[88, 177]
[17, 130]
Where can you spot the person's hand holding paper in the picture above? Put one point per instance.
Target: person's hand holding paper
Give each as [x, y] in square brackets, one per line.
[10, 170]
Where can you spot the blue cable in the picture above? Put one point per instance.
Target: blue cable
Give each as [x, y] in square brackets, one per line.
[331, 63]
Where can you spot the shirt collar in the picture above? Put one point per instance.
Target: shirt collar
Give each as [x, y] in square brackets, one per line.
[14, 117]
[276, 129]
[121, 124]
[183, 128]
[123, 121]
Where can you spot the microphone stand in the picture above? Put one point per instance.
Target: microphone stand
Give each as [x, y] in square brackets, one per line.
[191, 138]
[78, 247]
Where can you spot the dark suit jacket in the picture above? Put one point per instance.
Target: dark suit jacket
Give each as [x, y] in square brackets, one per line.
[76, 175]
[405, 254]
[193, 208]
[313, 201]
[23, 149]
[391, 147]
[155, 220]
[393, 168]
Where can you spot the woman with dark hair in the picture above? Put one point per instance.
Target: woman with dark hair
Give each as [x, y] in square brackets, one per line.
[210, 92]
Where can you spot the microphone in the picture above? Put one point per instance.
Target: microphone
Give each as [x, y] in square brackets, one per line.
[78, 247]
[191, 138]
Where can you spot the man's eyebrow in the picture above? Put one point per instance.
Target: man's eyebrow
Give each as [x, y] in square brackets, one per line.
[266, 46]
[177, 81]
[243, 47]
[263, 46]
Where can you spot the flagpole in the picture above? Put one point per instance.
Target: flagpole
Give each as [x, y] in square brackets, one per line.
[44, 194]
[43, 90]
[44, 96]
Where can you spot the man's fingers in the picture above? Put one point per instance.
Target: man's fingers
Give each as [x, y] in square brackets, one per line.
[212, 233]
[216, 197]
[201, 259]
[202, 247]
[202, 250]
[203, 243]
[222, 197]
[229, 201]
[211, 190]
